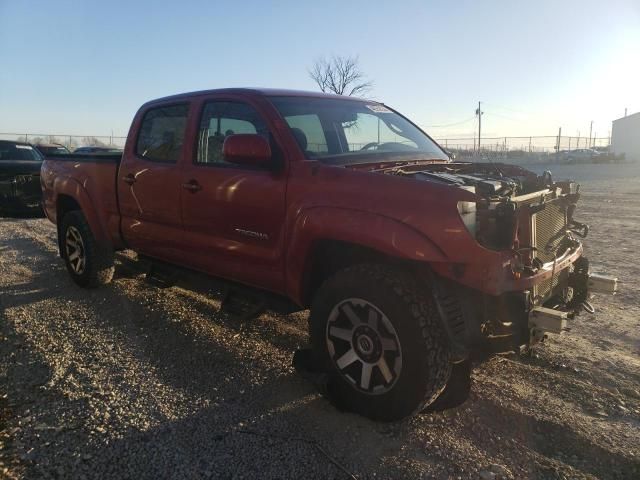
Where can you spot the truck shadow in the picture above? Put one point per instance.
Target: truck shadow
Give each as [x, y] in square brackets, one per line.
[237, 408]
[21, 213]
[205, 295]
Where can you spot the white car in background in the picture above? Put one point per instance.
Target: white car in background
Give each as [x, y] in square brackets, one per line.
[579, 155]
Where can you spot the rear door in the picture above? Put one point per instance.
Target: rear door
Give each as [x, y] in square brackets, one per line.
[233, 217]
[149, 181]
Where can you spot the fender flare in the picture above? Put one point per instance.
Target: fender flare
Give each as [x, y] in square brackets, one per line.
[383, 234]
[72, 188]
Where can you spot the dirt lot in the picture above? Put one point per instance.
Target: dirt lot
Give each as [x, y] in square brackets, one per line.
[131, 381]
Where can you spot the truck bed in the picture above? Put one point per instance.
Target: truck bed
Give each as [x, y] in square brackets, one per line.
[83, 176]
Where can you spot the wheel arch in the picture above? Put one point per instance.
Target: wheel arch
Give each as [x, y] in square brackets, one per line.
[328, 240]
[71, 196]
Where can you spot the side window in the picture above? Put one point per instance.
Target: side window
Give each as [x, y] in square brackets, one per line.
[161, 134]
[221, 119]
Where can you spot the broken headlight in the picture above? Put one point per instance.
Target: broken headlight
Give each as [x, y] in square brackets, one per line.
[491, 223]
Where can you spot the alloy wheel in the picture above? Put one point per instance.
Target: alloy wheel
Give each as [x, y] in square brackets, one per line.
[74, 249]
[364, 346]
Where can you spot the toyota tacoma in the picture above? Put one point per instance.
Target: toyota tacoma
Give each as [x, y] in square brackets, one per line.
[411, 264]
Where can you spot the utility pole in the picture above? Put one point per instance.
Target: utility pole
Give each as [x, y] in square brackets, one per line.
[625, 111]
[590, 129]
[558, 143]
[479, 114]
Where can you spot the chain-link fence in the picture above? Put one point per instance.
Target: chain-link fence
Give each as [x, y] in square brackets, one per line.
[491, 146]
[70, 141]
[534, 148]
[537, 144]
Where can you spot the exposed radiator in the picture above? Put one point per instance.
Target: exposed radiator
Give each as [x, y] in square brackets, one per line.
[549, 227]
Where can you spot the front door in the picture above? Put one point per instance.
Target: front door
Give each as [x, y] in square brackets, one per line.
[233, 216]
[149, 184]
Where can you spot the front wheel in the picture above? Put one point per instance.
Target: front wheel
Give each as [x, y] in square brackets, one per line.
[378, 332]
[89, 264]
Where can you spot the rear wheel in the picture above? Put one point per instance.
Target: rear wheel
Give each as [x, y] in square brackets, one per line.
[378, 332]
[88, 263]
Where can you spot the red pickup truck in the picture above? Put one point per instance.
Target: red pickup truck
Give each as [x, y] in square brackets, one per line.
[411, 264]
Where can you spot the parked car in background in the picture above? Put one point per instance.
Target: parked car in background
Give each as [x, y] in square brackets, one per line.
[579, 155]
[52, 149]
[20, 189]
[89, 150]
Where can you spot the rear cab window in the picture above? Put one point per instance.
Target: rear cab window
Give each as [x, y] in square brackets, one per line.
[161, 135]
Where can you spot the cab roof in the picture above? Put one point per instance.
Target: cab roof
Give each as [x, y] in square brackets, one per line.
[263, 92]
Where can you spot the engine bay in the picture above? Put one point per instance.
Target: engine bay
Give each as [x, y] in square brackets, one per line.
[515, 209]
[488, 180]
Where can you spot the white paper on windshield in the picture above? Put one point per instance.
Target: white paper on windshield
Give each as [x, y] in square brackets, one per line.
[378, 108]
[24, 147]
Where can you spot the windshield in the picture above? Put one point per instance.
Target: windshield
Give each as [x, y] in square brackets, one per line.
[347, 131]
[12, 151]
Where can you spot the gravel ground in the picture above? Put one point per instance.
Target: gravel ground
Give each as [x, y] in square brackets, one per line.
[132, 381]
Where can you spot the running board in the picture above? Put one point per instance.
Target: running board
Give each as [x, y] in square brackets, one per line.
[160, 277]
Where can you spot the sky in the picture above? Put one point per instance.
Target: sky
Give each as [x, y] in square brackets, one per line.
[84, 67]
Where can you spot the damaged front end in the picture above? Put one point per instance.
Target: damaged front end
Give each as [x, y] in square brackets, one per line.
[529, 261]
[20, 194]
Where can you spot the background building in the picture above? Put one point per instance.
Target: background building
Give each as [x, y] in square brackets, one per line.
[625, 137]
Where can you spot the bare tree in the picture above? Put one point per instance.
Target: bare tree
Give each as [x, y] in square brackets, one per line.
[92, 142]
[340, 75]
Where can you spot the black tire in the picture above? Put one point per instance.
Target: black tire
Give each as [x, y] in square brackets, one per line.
[457, 390]
[422, 344]
[98, 260]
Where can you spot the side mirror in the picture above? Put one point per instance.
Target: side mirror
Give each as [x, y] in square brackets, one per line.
[246, 149]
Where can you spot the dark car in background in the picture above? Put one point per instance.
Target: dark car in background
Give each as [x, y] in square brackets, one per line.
[20, 191]
[52, 149]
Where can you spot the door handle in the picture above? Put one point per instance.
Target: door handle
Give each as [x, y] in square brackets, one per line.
[192, 186]
[129, 179]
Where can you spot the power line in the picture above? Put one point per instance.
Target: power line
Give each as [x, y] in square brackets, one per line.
[493, 114]
[500, 107]
[451, 124]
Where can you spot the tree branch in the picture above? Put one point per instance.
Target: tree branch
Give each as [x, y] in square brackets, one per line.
[340, 75]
